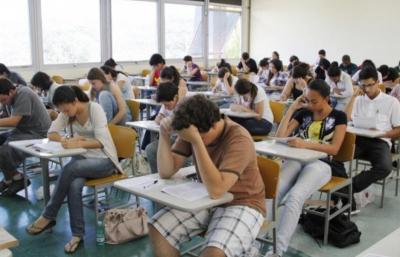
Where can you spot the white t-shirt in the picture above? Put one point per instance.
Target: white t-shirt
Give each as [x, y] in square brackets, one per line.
[261, 96]
[220, 85]
[165, 112]
[383, 110]
[127, 92]
[344, 83]
[356, 76]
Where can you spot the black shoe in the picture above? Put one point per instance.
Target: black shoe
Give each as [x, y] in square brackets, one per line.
[15, 187]
[3, 186]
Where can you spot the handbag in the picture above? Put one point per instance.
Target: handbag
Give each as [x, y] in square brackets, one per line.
[136, 167]
[123, 225]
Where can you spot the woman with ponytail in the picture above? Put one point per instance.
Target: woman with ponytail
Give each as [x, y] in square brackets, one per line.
[120, 79]
[86, 126]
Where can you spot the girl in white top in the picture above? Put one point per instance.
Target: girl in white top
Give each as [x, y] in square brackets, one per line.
[86, 126]
[225, 82]
[253, 99]
[263, 72]
[121, 79]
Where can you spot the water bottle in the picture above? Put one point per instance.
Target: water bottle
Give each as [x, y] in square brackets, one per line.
[100, 231]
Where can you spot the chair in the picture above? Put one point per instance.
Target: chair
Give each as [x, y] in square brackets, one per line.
[204, 75]
[269, 170]
[234, 70]
[345, 154]
[278, 110]
[134, 107]
[382, 87]
[124, 140]
[145, 72]
[58, 79]
[136, 91]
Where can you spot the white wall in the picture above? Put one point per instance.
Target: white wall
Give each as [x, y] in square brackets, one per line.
[361, 28]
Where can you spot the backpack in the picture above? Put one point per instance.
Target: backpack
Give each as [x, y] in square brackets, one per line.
[342, 232]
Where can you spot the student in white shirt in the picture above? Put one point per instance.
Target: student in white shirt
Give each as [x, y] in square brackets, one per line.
[341, 86]
[46, 86]
[383, 113]
[364, 64]
[225, 82]
[263, 72]
[396, 89]
[253, 99]
[121, 80]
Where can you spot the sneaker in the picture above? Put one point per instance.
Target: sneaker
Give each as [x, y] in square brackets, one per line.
[3, 186]
[272, 254]
[254, 250]
[15, 187]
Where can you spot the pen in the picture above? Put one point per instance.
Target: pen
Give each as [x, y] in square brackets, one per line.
[147, 186]
[29, 145]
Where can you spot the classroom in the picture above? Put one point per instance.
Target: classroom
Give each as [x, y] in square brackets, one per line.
[210, 128]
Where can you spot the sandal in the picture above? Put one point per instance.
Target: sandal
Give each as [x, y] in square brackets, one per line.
[73, 245]
[34, 230]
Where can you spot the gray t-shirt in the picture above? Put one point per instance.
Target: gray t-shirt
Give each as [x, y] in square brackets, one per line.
[35, 119]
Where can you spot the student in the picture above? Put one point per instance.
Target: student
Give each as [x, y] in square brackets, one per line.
[109, 96]
[389, 75]
[11, 75]
[317, 127]
[191, 68]
[276, 77]
[225, 82]
[293, 61]
[247, 64]
[46, 86]
[253, 99]
[167, 95]
[347, 66]
[223, 64]
[397, 68]
[296, 85]
[364, 64]
[86, 124]
[380, 111]
[275, 55]
[158, 63]
[396, 89]
[341, 85]
[31, 121]
[320, 71]
[111, 63]
[216, 144]
[263, 72]
[171, 74]
[321, 56]
[120, 79]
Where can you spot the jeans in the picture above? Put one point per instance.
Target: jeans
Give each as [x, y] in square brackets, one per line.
[254, 126]
[297, 182]
[70, 183]
[110, 107]
[377, 152]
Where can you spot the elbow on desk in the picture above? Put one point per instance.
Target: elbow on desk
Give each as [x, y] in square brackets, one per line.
[215, 194]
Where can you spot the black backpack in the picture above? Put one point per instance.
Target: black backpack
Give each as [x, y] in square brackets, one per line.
[342, 232]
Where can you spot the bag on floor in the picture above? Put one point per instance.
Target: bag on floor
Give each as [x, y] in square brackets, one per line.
[342, 232]
[135, 168]
[123, 225]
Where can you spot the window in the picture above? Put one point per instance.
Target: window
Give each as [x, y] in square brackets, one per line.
[15, 43]
[183, 31]
[134, 30]
[71, 31]
[225, 33]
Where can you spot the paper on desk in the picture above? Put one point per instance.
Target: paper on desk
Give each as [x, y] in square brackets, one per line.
[190, 191]
[144, 182]
[282, 140]
[49, 147]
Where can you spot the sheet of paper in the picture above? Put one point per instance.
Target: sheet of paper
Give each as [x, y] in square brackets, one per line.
[144, 182]
[190, 191]
[282, 140]
[49, 147]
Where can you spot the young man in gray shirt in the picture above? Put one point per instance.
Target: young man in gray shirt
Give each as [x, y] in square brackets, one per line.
[29, 120]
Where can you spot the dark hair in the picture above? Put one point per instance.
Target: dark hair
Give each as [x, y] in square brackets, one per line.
[368, 62]
[187, 58]
[293, 58]
[384, 70]
[166, 91]
[223, 63]
[222, 72]
[4, 69]
[156, 59]
[113, 72]
[197, 111]
[393, 74]
[276, 53]
[41, 80]
[68, 94]
[111, 63]
[322, 52]
[320, 86]
[333, 70]
[171, 73]
[6, 86]
[346, 58]
[245, 55]
[324, 64]
[96, 74]
[277, 64]
[300, 70]
[368, 72]
[264, 62]
[243, 86]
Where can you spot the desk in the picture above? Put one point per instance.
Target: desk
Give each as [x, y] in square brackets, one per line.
[145, 124]
[148, 103]
[272, 148]
[155, 194]
[386, 247]
[364, 132]
[44, 159]
[244, 115]
[7, 240]
[209, 94]
[138, 80]
[195, 85]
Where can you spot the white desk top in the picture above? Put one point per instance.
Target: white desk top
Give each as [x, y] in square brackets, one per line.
[228, 112]
[147, 102]
[386, 247]
[22, 146]
[155, 194]
[7, 240]
[148, 88]
[272, 148]
[364, 132]
[145, 124]
[198, 83]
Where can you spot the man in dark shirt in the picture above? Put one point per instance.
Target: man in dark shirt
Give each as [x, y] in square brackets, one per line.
[347, 66]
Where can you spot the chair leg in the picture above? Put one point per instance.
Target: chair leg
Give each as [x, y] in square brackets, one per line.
[25, 179]
[96, 209]
[383, 191]
[274, 239]
[327, 216]
[137, 201]
[396, 193]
